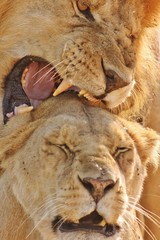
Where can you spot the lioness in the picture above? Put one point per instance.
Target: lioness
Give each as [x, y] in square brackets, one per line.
[105, 50]
[73, 172]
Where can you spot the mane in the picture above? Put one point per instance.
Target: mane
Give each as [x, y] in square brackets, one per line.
[152, 12]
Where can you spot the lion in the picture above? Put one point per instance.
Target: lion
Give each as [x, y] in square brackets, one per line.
[82, 179]
[107, 51]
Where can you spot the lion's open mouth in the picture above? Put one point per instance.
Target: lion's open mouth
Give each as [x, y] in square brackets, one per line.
[32, 80]
[91, 223]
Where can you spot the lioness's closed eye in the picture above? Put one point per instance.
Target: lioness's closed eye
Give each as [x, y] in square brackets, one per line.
[73, 172]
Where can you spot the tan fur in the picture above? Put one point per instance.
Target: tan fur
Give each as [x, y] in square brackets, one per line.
[69, 143]
[125, 35]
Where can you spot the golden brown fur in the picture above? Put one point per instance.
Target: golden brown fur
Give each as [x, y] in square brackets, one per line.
[71, 144]
[124, 34]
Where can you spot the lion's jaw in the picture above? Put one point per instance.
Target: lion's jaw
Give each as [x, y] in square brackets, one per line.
[51, 184]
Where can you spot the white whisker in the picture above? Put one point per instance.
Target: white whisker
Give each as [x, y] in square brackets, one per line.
[42, 207]
[44, 68]
[151, 195]
[36, 225]
[146, 228]
[42, 218]
[148, 214]
[129, 226]
[62, 221]
[50, 70]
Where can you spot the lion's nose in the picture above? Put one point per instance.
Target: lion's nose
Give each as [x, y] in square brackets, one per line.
[115, 78]
[97, 187]
[114, 81]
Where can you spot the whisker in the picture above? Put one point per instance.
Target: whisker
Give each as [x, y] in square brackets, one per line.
[142, 225]
[40, 208]
[36, 226]
[58, 71]
[40, 221]
[44, 68]
[147, 214]
[146, 228]
[129, 226]
[50, 70]
[44, 75]
[61, 72]
[62, 221]
[151, 195]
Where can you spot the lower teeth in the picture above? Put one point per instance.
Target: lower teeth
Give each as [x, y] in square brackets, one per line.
[22, 109]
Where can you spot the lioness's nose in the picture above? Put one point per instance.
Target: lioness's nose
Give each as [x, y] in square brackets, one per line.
[98, 187]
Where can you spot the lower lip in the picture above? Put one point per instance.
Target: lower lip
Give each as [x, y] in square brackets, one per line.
[107, 230]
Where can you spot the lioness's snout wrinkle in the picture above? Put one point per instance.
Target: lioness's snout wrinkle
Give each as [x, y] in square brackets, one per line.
[98, 177]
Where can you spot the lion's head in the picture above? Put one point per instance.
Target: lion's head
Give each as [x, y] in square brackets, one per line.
[99, 49]
[73, 172]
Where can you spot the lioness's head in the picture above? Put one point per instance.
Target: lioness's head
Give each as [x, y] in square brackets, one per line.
[77, 171]
[98, 49]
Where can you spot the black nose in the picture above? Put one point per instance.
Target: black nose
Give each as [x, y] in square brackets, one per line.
[97, 187]
[114, 81]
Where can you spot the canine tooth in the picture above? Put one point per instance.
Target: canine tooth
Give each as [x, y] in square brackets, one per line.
[65, 85]
[9, 115]
[23, 81]
[82, 92]
[103, 223]
[22, 109]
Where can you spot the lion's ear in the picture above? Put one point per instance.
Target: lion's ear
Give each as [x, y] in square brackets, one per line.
[147, 142]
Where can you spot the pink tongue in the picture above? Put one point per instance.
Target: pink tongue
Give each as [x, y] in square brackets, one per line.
[40, 80]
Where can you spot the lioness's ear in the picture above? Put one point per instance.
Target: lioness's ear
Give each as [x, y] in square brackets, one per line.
[11, 143]
[147, 142]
